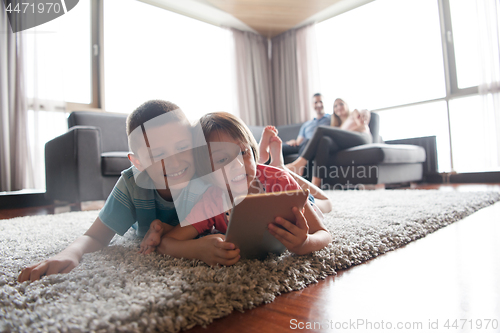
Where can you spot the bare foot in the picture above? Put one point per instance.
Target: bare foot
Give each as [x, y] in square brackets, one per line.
[267, 134]
[276, 153]
[297, 166]
[152, 238]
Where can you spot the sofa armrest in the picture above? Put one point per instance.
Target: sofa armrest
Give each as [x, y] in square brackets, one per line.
[73, 165]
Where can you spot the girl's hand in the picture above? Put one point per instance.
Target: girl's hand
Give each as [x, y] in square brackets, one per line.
[295, 236]
[215, 251]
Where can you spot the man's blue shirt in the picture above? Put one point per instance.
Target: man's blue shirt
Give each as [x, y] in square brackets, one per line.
[307, 129]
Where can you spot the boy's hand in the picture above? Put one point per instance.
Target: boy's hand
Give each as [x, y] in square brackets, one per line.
[153, 237]
[295, 235]
[215, 251]
[61, 263]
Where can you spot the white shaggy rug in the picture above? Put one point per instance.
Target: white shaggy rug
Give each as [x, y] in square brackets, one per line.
[118, 290]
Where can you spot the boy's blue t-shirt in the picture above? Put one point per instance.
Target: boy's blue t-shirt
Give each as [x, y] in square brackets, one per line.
[129, 203]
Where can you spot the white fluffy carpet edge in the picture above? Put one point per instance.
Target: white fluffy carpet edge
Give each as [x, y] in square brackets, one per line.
[118, 290]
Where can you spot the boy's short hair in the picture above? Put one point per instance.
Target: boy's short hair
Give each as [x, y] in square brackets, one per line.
[150, 110]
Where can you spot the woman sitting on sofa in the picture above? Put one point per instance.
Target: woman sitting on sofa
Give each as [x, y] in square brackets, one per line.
[348, 129]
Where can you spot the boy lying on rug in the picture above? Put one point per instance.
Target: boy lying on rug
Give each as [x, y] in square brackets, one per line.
[131, 203]
[223, 132]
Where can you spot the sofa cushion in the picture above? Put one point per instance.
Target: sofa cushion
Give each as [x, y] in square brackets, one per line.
[288, 132]
[113, 163]
[379, 153]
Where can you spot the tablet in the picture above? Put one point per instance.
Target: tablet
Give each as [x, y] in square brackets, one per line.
[247, 227]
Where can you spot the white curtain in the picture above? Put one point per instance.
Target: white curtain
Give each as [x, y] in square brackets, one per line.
[276, 87]
[45, 92]
[308, 69]
[252, 64]
[15, 163]
[286, 79]
[295, 75]
[488, 12]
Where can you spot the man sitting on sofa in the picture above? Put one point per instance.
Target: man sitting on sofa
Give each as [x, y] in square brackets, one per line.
[307, 129]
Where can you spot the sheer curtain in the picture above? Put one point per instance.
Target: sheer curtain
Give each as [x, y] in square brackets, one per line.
[15, 163]
[308, 69]
[45, 94]
[275, 86]
[286, 79]
[488, 12]
[295, 75]
[253, 77]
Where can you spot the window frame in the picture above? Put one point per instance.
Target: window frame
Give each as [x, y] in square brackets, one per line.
[97, 50]
[450, 65]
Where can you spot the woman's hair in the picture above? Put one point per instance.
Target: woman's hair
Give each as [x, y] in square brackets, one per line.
[223, 122]
[336, 121]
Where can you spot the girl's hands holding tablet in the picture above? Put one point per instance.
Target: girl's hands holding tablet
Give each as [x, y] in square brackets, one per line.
[293, 236]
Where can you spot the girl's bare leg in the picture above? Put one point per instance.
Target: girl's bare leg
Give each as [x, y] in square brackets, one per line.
[321, 200]
[276, 153]
[268, 132]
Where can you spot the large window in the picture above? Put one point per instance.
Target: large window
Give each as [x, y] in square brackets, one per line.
[151, 53]
[60, 60]
[414, 121]
[415, 63]
[385, 53]
[469, 135]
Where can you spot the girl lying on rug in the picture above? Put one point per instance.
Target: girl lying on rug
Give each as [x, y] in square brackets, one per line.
[223, 131]
[132, 205]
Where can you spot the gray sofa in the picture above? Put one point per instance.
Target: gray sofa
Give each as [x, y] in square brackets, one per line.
[394, 162]
[84, 163]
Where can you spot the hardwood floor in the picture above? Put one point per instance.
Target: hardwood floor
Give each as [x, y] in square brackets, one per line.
[452, 274]
[449, 277]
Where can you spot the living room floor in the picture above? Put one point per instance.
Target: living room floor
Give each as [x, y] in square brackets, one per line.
[442, 278]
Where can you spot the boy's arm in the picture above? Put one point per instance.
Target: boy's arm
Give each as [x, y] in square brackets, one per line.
[306, 236]
[212, 249]
[96, 238]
